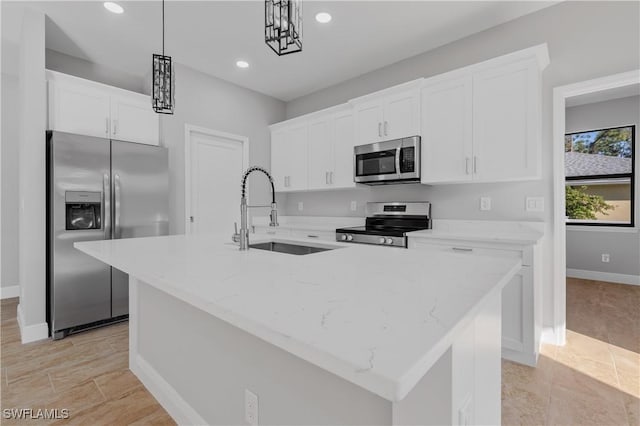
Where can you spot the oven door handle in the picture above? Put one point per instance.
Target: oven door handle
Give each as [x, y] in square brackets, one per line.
[398, 151]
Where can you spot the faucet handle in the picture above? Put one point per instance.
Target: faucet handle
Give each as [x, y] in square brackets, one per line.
[235, 237]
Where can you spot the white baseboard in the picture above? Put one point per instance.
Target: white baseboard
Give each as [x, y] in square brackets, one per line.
[31, 333]
[520, 357]
[604, 276]
[9, 292]
[167, 396]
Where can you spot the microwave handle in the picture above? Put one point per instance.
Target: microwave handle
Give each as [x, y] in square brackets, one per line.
[398, 151]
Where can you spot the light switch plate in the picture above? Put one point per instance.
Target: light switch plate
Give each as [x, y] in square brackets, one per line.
[250, 407]
[485, 203]
[300, 206]
[354, 206]
[534, 204]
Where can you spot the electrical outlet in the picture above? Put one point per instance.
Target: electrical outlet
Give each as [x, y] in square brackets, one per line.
[250, 407]
[485, 203]
[354, 206]
[300, 206]
[534, 204]
[606, 258]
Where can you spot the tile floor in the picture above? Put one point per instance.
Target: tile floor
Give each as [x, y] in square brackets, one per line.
[593, 380]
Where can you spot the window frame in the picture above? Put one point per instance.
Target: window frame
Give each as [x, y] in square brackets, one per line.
[631, 176]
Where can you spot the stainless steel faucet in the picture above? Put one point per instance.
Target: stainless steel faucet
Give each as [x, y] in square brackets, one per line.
[243, 236]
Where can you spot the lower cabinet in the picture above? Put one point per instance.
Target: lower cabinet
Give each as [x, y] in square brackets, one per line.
[521, 317]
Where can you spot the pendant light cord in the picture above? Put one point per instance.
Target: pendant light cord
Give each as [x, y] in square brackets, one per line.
[162, 27]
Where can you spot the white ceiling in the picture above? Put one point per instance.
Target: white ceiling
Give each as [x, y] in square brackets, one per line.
[211, 35]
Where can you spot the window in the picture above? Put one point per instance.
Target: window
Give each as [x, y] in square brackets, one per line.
[599, 169]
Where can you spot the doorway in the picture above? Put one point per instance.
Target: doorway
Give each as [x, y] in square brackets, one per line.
[214, 163]
[561, 95]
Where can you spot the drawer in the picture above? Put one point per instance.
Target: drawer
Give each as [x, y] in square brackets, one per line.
[269, 230]
[320, 235]
[465, 248]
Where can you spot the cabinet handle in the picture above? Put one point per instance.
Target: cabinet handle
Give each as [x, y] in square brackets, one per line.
[475, 164]
[331, 178]
[385, 127]
[115, 127]
[106, 126]
[462, 249]
[466, 165]
[312, 236]
[379, 129]
[326, 178]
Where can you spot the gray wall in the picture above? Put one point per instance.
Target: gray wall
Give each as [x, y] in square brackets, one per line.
[213, 103]
[9, 155]
[580, 48]
[585, 246]
[82, 68]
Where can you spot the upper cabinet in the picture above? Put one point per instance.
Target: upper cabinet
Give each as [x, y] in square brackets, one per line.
[479, 123]
[389, 114]
[314, 153]
[88, 108]
[289, 157]
[482, 123]
[447, 142]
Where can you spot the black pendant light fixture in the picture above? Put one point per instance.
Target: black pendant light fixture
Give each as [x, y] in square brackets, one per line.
[283, 25]
[163, 80]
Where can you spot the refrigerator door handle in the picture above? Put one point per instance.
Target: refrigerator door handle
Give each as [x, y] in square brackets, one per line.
[116, 206]
[106, 206]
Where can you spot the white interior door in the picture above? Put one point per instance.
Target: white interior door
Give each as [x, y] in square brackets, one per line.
[215, 163]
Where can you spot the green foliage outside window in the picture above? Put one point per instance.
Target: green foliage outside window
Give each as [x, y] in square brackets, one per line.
[581, 205]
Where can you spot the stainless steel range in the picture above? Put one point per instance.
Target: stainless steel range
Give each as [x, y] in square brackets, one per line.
[388, 223]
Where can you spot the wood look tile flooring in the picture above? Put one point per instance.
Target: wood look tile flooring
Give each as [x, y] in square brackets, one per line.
[593, 380]
[86, 373]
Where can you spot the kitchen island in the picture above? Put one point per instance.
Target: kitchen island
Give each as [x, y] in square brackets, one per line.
[353, 335]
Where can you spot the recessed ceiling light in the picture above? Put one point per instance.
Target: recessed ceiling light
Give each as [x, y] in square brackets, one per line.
[113, 7]
[242, 64]
[323, 17]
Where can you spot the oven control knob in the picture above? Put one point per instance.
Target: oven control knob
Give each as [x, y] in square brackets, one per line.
[382, 240]
[343, 237]
[389, 241]
[349, 237]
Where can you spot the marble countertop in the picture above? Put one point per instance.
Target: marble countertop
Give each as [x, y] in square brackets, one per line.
[379, 317]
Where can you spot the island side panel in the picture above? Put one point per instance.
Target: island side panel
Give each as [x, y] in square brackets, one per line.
[185, 354]
[463, 387]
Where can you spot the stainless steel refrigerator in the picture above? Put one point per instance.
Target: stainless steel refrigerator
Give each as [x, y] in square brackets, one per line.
[98, 189]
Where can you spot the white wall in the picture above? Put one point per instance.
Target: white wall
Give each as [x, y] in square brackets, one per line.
[32, 178]
[213, 103]
[585, 245]
[82, 68]
[583, 44]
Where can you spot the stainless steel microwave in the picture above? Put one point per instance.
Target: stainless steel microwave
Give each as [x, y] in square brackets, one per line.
[389, 162]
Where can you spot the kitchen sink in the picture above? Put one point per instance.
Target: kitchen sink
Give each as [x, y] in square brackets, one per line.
[290, 248]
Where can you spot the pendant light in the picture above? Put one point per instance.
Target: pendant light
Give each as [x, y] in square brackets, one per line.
[163, 80]
[283, 25]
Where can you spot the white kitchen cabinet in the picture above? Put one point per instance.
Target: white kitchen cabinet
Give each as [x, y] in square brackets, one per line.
[521, 313]
[314, 154]
[482, 123]
[88, 108]
[506, 122]
[321, 156]
[447, 142]
[77, 106]
[390, 114]
[133, 119]
[343, 143]
[289, 157]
